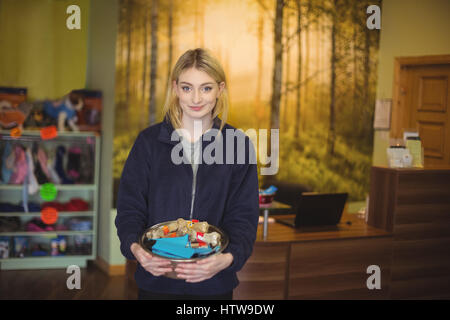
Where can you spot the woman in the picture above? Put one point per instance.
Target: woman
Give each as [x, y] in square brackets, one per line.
[154, 187]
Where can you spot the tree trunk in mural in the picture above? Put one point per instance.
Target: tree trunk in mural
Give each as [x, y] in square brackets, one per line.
[144, 70]
[278, 67]
[316, 95]
[324, 60]
[355, 56]
[366, 89]
[287, 67]
[153, 63]
[277, 74]
[307, 51]
[258, 106]
[120, 53]
[127, 79]
[170, 39]
[144, 63]
[299, 71]
[332, 129]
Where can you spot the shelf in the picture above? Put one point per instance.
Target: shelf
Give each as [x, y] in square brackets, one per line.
[32, 259]
[37, 134]
[44, 262]
[88, 190]
[38, 214]
[60, 187]
[46, 233]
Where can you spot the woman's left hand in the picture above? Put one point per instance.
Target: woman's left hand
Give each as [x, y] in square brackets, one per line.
[205, 268]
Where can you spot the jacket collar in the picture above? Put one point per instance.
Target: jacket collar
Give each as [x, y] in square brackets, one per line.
[165, 133]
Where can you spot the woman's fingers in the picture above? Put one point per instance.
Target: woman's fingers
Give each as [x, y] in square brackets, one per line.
[155, 265]
[187, 270]
[157, 269]
[203, 269]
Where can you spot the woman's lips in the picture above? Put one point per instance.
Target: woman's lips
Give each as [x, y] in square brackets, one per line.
[196, 108]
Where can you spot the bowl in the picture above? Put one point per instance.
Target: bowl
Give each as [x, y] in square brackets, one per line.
[224, 240]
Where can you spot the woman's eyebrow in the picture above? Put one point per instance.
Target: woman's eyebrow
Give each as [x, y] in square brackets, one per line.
[183, 82]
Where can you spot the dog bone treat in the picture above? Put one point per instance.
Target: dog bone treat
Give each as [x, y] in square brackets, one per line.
[212, 238]
[201, 226]
[171, 227]
[182, 227]
[155, 234]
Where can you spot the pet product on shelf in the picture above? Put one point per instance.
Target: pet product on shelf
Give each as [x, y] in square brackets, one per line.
[4, 247]
[65, 110]
[266, 196]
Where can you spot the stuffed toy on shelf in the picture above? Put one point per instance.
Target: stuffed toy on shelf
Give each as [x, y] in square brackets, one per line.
[65, 110]
[12, 117]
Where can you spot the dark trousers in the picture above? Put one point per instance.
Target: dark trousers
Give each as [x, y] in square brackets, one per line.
[148, 295]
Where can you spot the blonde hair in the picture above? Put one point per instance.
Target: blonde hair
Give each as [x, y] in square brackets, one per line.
[202, 60]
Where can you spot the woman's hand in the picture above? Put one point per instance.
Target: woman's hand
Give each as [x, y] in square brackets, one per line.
[155, 265]
[205, 268]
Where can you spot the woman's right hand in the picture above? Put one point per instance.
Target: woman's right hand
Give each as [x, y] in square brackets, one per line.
[155, 265]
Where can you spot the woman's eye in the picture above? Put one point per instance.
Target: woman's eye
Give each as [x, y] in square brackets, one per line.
[185, 88]
[207, 89]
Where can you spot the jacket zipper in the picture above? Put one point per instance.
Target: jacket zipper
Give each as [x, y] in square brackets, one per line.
[192, 195]
[194, 182]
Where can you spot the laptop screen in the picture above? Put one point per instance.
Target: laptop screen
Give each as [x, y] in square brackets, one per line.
[320, 208]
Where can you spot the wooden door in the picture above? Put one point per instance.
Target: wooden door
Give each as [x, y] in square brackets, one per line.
[429, 110]
[422, 102]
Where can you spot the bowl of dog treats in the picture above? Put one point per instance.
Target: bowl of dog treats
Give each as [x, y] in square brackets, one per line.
[184, 241]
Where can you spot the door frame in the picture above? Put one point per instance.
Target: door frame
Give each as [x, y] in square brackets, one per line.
[399, 110]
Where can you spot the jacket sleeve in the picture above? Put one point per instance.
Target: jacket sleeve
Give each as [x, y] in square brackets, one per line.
[131, 216]
[240, 220]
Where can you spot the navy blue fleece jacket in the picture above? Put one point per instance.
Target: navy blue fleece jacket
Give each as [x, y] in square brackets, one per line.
[154, 189]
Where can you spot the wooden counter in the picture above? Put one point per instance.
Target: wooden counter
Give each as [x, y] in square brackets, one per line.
[316, 262]
[349, 227]
[414, 204]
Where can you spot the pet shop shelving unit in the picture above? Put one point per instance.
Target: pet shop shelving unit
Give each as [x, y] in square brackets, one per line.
[13, 193]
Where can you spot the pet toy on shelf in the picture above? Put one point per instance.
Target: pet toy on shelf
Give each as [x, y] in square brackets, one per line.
[65, 110]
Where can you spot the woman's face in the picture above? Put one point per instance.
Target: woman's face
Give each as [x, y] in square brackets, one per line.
[197, 93]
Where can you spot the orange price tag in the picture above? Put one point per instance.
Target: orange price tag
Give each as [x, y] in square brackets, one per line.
[49, 132]
[15, 132]
[49, 215]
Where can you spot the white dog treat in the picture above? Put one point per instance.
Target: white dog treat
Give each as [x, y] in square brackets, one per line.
[201, 226]
[212, 238]
[155, 234]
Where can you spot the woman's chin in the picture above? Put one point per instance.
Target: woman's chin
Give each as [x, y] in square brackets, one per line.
[198, 115]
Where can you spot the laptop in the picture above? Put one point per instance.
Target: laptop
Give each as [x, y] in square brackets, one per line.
[317, 209]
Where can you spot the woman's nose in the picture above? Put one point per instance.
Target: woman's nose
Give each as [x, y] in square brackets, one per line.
[197, 97]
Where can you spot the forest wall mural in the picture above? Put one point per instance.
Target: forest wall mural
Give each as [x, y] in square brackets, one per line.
[305, 67]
